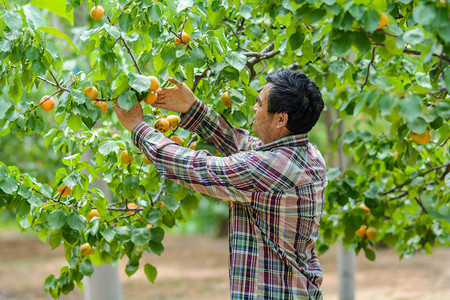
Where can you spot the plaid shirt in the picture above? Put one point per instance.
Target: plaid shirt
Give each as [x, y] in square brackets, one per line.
[275, 194]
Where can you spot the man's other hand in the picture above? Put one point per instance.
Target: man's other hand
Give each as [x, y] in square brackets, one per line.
[129, 119]
[178, 98]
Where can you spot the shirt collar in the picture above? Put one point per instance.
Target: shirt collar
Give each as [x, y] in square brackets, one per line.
[295, 140]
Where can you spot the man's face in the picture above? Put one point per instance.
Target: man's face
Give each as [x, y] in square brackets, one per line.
[263, 122]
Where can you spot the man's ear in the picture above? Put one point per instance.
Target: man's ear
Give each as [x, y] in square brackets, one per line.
[282, 120]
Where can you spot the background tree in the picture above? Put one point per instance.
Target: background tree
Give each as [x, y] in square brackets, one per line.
[383, 68]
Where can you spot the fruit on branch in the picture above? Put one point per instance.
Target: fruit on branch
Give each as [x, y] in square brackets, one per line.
[421, 138]
[383, 20]
[86, 249]
[131, 206]
[151, 98]
[102, 104]
[64, 190]
[371, 233]
[93, 213]
[185, 38]
[162, 125]
[97, 12]
[225, 99]
[173, 121]
[193, 145]
[154, 83]
[47, 103]
[146, 160]
[149, 226]
[365, 208]
[126, 158]
[361, 232]
[92, 92]
[177, 139]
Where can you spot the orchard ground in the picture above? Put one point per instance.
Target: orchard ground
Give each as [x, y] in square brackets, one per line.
[195, 267]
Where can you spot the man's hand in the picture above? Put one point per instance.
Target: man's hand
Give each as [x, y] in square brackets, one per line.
[129, 119]
[178, 99]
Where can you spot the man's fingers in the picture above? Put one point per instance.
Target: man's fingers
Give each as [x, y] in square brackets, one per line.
[171, 80]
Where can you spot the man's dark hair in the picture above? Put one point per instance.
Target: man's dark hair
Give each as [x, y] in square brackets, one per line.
[293, 93]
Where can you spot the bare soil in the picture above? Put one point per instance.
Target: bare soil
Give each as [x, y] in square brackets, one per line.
[196, 267]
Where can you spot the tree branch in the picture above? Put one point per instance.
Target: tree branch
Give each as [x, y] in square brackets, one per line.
[412, 178]
[368, 70]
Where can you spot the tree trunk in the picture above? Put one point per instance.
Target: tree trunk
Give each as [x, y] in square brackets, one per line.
[104, 283]
[346, 258]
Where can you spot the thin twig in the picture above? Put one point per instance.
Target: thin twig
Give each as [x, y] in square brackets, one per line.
[368, 70]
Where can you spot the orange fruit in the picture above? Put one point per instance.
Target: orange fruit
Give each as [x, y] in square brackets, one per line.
[193, 145]
[383, 20]
[146, 160]
[151, 98]
[225, 99]
[177, 139]
[97, 12]
[361, 231]
[92, 92]
[173, 121]
[86, 249]
[421, 138]
[365, 208]
[154, 83]
[93, 213]
[102, 104]
[126, 158]
[149, 226]
[47, 103]
[185, 37]
[131, 206]
[64, 190]
[371, 233]
[161, 204]
[162, 125]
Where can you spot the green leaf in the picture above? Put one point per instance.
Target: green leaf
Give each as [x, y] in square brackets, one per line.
[108, 146]
[87, 268]
[100, 204]
[443, 109]
[183, 4]
[54, 239]
[157, 234]
[296, 40]
[127, 99]
[424, 14]
[138, 82]
[57, 7]
[414, 36]
[447, 179]
[9, 185]
[76, 221]
[57, 219]
[131, 181]
[151, 272]
[338, 68]
[72, 160]
[74, 122]
[239, 118]
[73, 179]
[108, 233]
[198, 57]
[140, 236]
[131, 268]
[371, 20]
[370, 255]
[410, 108]
[13, 20]
[156, 248]
[58, 33]
[153, 216]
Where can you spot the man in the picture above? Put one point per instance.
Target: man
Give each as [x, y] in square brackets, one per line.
[274, 184]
